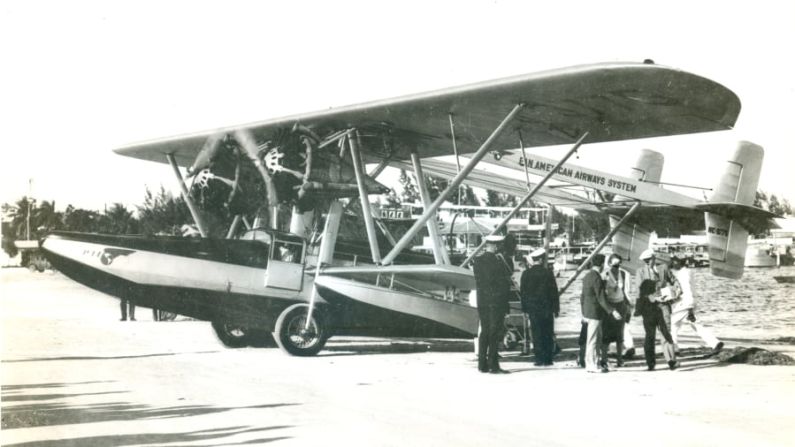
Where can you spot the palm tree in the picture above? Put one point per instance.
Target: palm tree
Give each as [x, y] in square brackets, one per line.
[162, 213]
[18, 214]
[46, 218]
[120, 220]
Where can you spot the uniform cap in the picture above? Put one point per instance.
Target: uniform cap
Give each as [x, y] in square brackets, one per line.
[647, 254]
[538, 253]
[495, 238]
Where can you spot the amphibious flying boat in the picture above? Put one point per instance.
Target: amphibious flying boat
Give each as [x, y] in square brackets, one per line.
[304, 283]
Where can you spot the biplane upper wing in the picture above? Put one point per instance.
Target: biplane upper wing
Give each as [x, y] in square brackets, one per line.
[504, 184]
[613, 101]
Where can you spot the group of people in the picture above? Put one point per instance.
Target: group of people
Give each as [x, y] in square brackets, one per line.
[664, 302]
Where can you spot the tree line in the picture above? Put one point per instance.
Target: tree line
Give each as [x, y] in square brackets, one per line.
[161, 213]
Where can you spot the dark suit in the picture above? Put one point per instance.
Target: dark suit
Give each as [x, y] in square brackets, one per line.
[655, 315]
[595, 308]
[540, 300]
[125, 302]
[493, 282]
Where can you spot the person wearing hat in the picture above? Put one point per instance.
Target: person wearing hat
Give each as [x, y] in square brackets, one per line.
[655, 309]
[493, 285]
[541, 301]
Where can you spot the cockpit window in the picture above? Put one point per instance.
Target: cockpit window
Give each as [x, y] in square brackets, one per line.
[288, 251]
[257, 235]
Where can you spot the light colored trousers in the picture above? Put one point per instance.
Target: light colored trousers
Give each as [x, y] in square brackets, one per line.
[594, 349]
[679, 318]
[629, 343]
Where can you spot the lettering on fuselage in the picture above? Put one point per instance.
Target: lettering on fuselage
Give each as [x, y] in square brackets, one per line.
[718, 231]
[596, 180]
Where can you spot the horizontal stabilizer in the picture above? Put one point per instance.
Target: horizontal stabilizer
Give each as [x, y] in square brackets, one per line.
[753, 219]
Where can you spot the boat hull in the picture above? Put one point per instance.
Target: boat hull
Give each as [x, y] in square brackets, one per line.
[225, 281]
[119, 267]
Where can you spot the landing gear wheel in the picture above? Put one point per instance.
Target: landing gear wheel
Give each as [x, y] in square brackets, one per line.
[163, 315]
[292, 335]
[231, 336]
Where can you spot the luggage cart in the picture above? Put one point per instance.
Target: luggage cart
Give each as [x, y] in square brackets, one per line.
[517, 329]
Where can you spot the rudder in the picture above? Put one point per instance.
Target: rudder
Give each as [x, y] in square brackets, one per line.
[726, 238]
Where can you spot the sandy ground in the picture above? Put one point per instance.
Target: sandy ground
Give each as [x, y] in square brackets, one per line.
[72, 374]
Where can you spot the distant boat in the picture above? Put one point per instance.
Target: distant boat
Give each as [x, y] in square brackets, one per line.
[760, 254]
[785, 279]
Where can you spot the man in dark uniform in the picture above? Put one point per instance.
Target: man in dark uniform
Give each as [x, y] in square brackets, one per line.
[540, 300]
[125, 303]
[493, 284]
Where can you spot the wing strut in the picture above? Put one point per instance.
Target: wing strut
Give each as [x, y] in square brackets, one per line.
[455, 151]
[527, 197]
[367, 215]
[326, 254]
[524, 157]
[455, 183]
[186, 196]
[599, 247]
[439, 252]
[379, 168]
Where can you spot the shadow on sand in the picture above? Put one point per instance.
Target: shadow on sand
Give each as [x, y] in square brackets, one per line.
[48, 414]
[342, 346]
[41, 414]
[215, 435]
[118, 357]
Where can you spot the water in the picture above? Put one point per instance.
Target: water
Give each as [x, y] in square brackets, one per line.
[755, 306]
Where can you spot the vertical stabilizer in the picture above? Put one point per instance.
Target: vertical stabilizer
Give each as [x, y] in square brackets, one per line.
[726, 238]
[632, 239]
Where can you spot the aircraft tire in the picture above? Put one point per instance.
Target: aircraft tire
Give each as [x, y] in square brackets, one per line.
[230, 335]
[291, 336]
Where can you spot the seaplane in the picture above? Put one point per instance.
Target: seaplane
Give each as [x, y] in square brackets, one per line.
[297, 282]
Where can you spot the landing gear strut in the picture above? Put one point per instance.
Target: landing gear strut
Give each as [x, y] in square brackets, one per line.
[295, 336]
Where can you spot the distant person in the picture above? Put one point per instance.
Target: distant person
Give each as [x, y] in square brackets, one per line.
[125, 303]
[493, 285]
[616, 294]
[286, 254]
[594, 310]
[655, 308]
[541, 301]
[507, 248]
[683, 310]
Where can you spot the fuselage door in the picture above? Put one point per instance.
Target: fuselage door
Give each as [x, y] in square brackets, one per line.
[286, 265]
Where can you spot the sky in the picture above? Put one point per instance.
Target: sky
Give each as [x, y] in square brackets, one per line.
[81, 78]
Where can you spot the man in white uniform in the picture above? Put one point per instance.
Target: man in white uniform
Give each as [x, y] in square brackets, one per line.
[683, 310]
